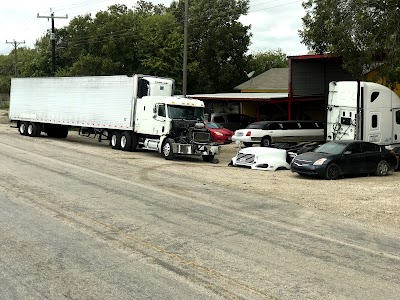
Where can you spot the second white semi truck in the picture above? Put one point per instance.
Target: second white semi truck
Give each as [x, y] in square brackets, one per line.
[131, 112]
[363, 111]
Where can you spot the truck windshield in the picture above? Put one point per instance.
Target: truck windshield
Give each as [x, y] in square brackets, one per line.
[185, 112]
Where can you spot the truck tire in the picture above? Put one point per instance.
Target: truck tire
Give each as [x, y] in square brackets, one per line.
[62, 132]
[126, 141]
[208, 158]
[23, 128]
[56, 131]
[115, 140]
[135, 141]
[266, 141]
[167, 150]
[248, 144]
[33, 129]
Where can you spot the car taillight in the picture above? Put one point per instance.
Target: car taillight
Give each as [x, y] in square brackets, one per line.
[248, 133]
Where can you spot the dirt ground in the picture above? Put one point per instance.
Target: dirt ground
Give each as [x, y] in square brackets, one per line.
[371, 199]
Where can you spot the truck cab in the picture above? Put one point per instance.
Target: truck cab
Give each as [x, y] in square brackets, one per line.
[363, 111]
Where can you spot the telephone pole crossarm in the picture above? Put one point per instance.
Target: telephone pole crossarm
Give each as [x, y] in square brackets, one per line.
[53, 39]
[15, 44]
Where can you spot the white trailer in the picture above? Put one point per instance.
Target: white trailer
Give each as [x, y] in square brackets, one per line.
[363, 111]
[131, 112]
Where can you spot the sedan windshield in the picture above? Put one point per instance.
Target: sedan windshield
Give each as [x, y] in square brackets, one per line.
[331, 148]
[213, 125]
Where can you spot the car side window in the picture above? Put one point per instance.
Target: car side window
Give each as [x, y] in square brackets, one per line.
[219, 119]
[354, 148]
[274, 126]
[265, 126]
[309, 125]
[161, 110]
[370, 148]
[290, 125]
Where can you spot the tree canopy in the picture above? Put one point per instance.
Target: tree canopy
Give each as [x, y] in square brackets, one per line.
[365, 33]
[260, 62]
[148, 39]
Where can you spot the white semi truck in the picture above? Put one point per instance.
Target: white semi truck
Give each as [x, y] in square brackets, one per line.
[131, 112]
[363, 111]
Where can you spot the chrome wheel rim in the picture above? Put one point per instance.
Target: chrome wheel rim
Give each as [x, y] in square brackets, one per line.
[113, 140]
[30, 129]
[167, 149]
[22, 128]
[123, 142]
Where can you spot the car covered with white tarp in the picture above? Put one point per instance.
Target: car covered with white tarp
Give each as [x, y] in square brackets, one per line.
[260, 158]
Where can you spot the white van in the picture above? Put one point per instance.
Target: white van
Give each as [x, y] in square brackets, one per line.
[266, 133]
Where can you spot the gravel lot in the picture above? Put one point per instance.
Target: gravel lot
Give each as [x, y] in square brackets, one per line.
[369, 199]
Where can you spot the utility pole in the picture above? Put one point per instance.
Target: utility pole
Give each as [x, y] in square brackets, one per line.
[53, 39]
[185, 49]
[15, 44]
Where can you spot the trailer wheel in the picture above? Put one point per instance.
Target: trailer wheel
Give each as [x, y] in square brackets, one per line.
[126, 141]
[23, 128]
[266, 141]
[33, 129]
[115, 140]
[382, 169]
[167, 149]
[62, 132]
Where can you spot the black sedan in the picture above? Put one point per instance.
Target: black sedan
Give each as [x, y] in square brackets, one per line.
[337, 158]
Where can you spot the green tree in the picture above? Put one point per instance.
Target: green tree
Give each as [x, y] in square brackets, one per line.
[218, 43]
[263, 61]
[364, 33]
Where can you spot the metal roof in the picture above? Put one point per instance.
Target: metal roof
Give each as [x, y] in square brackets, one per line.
[273, 79]
[241, 96]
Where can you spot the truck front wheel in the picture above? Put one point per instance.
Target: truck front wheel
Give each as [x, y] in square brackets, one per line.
[167, 149]
[208, 158]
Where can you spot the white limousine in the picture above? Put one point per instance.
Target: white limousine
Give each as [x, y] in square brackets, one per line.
[266, 133]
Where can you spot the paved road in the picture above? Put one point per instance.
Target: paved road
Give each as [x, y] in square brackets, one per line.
[81, 221]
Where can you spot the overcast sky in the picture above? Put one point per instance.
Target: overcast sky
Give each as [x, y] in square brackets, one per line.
[274, 23]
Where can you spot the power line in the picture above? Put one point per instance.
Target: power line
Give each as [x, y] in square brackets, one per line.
[15, 44]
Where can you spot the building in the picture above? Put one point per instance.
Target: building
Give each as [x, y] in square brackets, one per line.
[296, 93]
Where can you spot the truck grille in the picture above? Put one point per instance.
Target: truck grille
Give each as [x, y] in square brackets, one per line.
[201, 137]
[245, 159]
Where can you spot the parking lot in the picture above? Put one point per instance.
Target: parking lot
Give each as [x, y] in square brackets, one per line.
[368, 199]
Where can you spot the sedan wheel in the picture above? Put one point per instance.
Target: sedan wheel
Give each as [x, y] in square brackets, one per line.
[332, 172]
[266, 141]
[382, 169]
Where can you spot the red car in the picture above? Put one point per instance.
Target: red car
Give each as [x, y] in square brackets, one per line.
[219, 134]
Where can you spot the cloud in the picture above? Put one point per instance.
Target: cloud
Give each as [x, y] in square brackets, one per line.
[275, 26]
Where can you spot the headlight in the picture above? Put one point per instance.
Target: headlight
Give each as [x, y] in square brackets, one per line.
[218, 133]
[319, 162]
